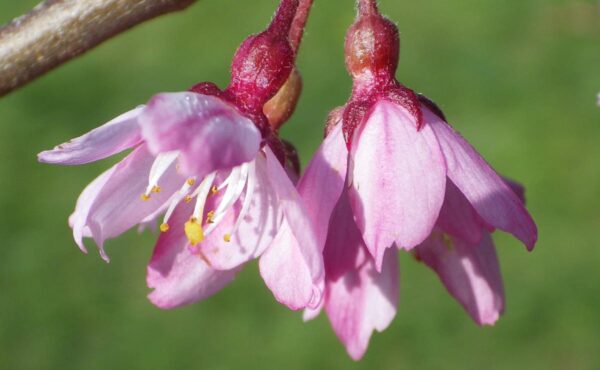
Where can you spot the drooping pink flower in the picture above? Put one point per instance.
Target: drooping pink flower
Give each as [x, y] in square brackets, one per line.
[393, 172]
[207, 164]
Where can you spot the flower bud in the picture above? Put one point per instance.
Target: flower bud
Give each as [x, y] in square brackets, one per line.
[260, 67]
[279, 109]
[372, 46]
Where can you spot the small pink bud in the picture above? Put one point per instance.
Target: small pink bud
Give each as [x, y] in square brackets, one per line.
[372, 46]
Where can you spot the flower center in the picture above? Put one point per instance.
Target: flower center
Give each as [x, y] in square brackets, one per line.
[240, 180]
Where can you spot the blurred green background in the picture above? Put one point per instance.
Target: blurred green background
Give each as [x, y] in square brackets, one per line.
[517, 78]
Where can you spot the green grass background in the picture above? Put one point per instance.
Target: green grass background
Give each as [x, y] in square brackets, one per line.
[517, 78]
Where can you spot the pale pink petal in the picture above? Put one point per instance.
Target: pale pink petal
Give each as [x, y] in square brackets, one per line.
[209, 133]
[117, 206]
[292, 266]
[470, 273]
[311, 313]
[398, 180]
[363, 300]
[113, 137]
[79, 217]
[177, 276]
[288, 276]
[256, 230]
[495, 202]
[458, 218]
[323, 182]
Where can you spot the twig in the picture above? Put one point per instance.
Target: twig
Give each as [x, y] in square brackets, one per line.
[59, 30]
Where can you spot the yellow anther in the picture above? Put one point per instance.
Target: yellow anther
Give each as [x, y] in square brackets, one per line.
[210, 217]
[156, 189]
[164, 227]
[187, 198]
[193, 231]
[145, 197]
[227, 238]
[214, 190]
[191, 181]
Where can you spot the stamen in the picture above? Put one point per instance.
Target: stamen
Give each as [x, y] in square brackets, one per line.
[201, 193]
[232, 175]
[164, 227]
[161, 164]
[214, 190]
[231, 195]
[227, 238]
[144, 197]
[188, 198]
[181, 194]
[191, 181]
[247, 199]
[193, 228]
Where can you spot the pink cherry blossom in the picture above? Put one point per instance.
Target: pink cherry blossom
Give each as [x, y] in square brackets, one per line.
[402, 153]
[207, 165]
[392, 172]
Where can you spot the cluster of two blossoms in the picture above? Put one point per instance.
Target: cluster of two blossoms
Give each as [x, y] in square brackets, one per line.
[390, 173]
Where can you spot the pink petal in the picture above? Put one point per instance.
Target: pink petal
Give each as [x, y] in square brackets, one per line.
[343, 241]
[256, 230]
[113, 137]
[363, 300]
[209, 133]
[323, 182]
[495, 202]
[516, 187]
[398, 180]
[78, 220]
[287, 274]
[311, 313]
[116, 205]
[292, 266]
[470, 273]
[458, 218]
[177, 276]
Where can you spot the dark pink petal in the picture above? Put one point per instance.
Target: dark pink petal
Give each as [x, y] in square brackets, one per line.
[470, 273]
[343, 241]
[209, 133]
[363, 300]
[292, 266]
[113, 137]
[495, 202]
[256, 230]
[458, 218]
[516, 187]
[323, 181]
[177, 276]
[398, 180]
[117, 207]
